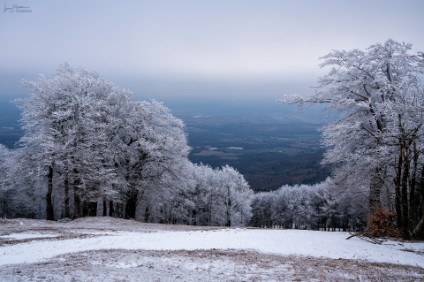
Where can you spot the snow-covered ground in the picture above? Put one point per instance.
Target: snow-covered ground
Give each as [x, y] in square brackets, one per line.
[165, 252]
[281, 242]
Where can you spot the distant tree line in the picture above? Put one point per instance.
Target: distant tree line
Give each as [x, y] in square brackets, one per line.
[314, 207]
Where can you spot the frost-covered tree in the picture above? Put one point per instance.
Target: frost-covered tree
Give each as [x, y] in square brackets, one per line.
[379, 93]
[151, 148]
[95, 145]
[237, 196]
[66, 121]
[16, 196]
[5, 179]
[210, 197]
[263, 210]
[202, 193]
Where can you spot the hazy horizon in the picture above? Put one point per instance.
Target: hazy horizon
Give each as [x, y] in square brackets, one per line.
[170, 50]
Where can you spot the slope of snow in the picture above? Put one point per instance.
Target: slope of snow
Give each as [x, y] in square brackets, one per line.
[281, 242]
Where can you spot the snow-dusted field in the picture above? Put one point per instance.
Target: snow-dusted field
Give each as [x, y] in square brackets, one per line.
[121, 250]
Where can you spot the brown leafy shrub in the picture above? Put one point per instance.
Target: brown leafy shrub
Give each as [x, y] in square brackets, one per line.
[382, 223]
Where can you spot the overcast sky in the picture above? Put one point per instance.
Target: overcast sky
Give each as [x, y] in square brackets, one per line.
[158, 46]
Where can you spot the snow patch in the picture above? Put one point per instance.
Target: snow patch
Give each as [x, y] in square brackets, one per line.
[280, 242]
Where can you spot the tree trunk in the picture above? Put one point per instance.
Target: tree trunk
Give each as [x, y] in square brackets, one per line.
[146, 214]
[404, 195]
[413, 205]
[77, 199]
[228, 208]
[66, 187]
[398, 195]
[111, 208]
[131, 204]
[99, 206]
[105, 209]
[376, 186]
[418, 231]
[49, 202]
[78, 206]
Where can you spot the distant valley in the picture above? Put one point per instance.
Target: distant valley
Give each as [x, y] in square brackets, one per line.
[10, 131]
[271, 145]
